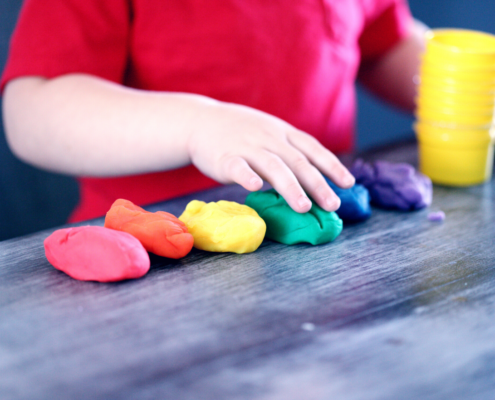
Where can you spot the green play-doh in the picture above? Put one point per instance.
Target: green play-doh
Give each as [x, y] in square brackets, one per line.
[286, 226]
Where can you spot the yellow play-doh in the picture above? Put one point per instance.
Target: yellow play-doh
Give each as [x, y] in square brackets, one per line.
[225, 226]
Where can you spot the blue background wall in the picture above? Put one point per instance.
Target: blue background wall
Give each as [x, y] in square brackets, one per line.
[31, 200]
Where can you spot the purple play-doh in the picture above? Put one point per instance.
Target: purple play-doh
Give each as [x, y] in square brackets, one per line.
[394, 185]
[437, 216]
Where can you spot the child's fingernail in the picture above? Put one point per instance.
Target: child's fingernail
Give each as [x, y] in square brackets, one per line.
[254, 181]
[349, 180]
[304, 202]
[333, 203]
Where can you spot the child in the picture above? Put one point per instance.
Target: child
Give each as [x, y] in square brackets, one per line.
[127, 94]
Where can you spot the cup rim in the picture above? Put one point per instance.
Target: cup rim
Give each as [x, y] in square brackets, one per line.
[456, 64]
[458, 76]
[487, 131]
[457, 105]
[470, 87]
[437, 33]
[473, 119]
[429, 64]
[465, 96]
[445, 142]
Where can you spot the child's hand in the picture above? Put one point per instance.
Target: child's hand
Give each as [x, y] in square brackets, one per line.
[86, 126]
[239, 144]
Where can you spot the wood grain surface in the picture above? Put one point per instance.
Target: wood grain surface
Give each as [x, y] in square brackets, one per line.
[397, 307]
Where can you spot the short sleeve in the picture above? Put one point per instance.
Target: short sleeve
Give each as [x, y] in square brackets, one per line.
[56, 37]
[387, 22]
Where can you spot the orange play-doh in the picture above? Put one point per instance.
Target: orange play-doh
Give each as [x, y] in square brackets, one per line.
[160, 233]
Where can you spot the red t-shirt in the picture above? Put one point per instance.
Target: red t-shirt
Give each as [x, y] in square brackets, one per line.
[295, 59]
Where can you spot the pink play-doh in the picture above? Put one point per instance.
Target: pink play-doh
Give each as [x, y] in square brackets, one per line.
[94, 253]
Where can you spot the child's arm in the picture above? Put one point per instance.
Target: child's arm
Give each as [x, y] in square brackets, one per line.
[83, 125]
[392, 76]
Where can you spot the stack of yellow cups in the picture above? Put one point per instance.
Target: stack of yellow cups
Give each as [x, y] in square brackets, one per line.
[455, 107]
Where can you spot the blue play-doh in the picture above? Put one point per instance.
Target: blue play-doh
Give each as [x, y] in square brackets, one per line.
[355, 202]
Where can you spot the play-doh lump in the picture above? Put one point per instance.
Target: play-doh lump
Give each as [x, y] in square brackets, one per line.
[94, 253]
[355, 202]
[224, 226]
[160, 233]
[286, 226]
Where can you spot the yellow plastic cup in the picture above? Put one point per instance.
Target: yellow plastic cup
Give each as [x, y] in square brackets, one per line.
[449, 106]
[450, 72]
[460, 60]
[456, 133]
[454, 64]
[434, 91]
[439, 116]
[461, 47]
[458, 85]
[455, 107]
[450, 158]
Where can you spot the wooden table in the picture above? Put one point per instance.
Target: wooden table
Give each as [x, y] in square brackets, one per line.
[396, 308]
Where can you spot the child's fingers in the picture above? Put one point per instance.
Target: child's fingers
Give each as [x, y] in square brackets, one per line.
[322, 158]
[272, 168]
[309, 177]
[237, 170]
